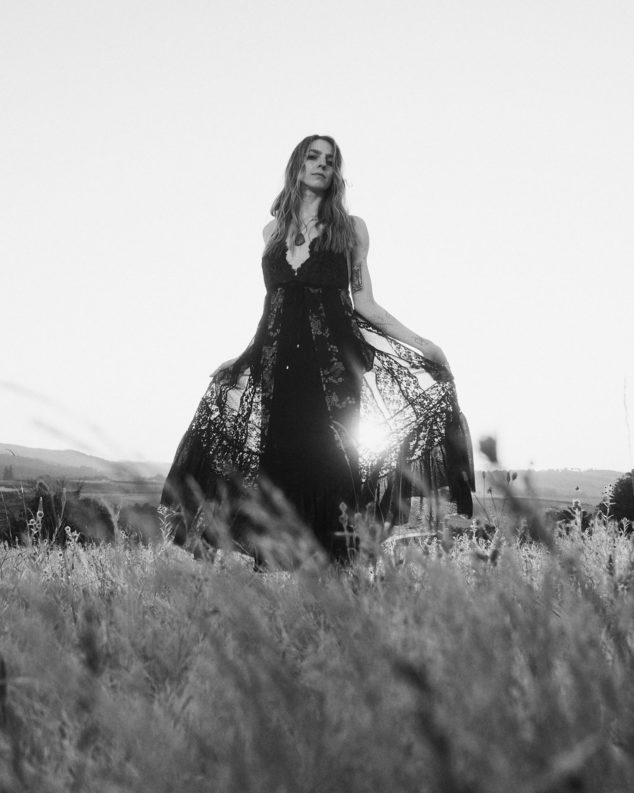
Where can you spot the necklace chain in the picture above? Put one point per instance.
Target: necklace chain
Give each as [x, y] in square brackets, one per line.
[299, 237]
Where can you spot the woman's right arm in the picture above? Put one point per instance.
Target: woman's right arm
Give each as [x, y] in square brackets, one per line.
[366, 305]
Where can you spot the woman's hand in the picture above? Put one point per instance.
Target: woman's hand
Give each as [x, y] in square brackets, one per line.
[222, 366]
[433, 352]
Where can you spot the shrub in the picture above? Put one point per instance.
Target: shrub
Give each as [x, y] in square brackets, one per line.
[49, 508]
[619, 502]
[574, 515]
[140, 522]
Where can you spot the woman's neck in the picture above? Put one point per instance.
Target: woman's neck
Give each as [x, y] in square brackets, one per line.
[309, 206]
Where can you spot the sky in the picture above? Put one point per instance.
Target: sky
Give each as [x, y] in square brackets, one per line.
[488, 145]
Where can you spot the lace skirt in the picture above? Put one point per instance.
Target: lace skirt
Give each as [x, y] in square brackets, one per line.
[332, 411]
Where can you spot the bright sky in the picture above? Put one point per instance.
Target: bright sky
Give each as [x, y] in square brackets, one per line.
[488, 145]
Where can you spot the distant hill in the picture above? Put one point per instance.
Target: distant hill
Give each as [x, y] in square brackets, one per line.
[558, 484]
[29, 463]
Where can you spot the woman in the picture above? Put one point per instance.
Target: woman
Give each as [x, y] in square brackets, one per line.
[332, 403]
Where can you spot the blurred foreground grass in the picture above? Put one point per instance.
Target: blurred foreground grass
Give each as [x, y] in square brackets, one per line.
[141, 669]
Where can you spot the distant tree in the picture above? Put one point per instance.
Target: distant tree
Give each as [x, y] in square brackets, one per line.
[8, 472]
[619, 502]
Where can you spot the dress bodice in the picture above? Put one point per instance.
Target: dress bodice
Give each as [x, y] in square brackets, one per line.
[321, 268]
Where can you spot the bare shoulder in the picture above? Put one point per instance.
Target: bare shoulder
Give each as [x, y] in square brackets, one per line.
[361, 232]
[268, 230]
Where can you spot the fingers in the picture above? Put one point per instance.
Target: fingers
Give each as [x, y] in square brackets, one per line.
[436, 357]
[435, 354]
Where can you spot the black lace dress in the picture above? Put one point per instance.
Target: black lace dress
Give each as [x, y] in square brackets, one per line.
[327, 407]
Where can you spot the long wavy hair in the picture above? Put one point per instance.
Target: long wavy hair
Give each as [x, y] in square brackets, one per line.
[337, 228]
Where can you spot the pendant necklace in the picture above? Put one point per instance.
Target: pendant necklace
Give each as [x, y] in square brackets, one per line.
[299, 237]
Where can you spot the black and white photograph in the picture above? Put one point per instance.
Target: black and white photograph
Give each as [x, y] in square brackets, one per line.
[317, 396]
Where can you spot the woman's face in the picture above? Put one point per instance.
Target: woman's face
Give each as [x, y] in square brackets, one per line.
[317, 170]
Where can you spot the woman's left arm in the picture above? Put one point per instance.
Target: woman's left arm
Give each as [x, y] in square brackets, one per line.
[366, 305]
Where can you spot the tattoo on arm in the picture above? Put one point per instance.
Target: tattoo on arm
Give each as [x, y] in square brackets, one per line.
[392, 327]
[356, 279]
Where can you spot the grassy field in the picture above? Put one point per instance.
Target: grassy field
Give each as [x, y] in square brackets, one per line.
[440, 665]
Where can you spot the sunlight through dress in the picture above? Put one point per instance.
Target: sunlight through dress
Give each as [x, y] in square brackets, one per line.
[327, 407]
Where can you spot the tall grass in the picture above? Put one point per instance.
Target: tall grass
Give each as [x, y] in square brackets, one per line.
[464, 667]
